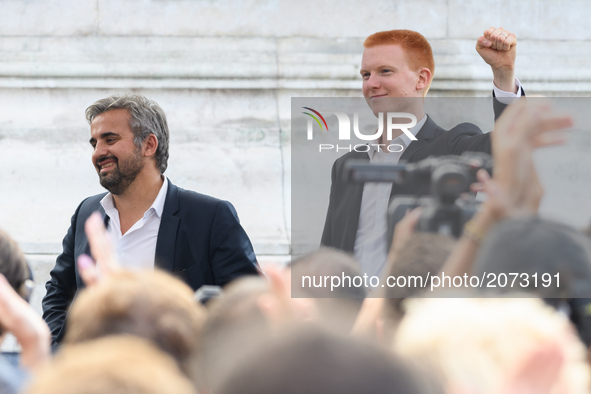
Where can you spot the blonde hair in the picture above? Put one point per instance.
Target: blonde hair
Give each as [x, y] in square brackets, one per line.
[149, 304]
[477, 342]
[113, 365]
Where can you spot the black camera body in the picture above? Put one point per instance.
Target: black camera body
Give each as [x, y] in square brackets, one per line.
[441, 183]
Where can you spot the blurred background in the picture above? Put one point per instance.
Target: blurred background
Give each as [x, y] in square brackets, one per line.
[225, 71]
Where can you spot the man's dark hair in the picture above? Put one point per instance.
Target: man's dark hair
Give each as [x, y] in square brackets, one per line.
[145, 118]
[316, 362]
[12, 263]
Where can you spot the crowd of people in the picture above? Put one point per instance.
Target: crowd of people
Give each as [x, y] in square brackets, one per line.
[118, 322]
[143, 331]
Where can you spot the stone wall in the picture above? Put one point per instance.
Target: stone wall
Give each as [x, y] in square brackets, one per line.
[224, 71]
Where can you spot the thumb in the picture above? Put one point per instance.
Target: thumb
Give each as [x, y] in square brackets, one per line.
[482, 43]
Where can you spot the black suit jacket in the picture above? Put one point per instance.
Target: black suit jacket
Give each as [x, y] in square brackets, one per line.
[342, 218]
[200, 240]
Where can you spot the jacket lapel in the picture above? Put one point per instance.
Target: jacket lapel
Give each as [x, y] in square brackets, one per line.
[169, 224]
[101, 210]
[424, 137]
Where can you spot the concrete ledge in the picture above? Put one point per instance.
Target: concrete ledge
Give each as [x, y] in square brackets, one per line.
[278, 248]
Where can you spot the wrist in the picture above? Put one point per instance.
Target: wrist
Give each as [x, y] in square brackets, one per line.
[504, 79]
[477, 227]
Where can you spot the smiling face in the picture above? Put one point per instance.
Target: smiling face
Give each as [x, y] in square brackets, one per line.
[116, 158]
[386, 73]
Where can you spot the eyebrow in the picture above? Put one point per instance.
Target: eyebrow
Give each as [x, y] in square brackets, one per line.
[380, 68]
[104, 135]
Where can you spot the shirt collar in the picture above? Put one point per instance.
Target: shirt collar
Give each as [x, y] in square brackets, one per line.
[403, 137]
[158, 205]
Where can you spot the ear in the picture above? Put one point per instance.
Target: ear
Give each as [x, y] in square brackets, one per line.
[424, 78]
[150, 145]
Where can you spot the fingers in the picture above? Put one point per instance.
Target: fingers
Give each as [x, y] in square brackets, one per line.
[476, 187]
[500, 39]
[549, 139]
[482, 42]
[405, 228]
[100, 244]
[483, 177]
[530, 124]
[409, 221]
[488, 32]
[554, 122]
[87, 270]
[368, 317]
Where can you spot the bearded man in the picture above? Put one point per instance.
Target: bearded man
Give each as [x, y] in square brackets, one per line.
[152, 222]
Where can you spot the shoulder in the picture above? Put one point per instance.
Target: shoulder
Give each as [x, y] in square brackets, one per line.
[192, 197]
[463, 130]
[340, 162]
[192, 202]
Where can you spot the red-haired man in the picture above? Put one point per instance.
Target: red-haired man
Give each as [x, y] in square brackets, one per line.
[399, 63]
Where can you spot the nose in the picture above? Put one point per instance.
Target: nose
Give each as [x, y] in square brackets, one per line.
[100, 150]
[373, 82]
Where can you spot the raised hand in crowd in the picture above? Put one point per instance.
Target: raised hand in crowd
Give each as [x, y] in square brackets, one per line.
[22, 321]
[101, 249]
[515, 188]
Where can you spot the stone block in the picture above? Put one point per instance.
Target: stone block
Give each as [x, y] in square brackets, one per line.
[52, 18]
[544, 20]
[252, 18]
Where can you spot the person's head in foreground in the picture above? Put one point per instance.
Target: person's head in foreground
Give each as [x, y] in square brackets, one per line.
[396, 63]
[248, 314]
[532, 245]
[423, 255]
[148, 304]
[316, 362]
[14, 266]
[494, 345]
[337, 306]
[111, 365]
[553, 261]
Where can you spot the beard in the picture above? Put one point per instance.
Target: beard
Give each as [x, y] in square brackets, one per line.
[118, 180]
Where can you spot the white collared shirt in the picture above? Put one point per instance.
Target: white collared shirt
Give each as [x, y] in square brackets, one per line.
[370, 241]
[137, 247]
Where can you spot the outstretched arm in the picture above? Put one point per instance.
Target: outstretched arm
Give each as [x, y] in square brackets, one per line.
[20, 319]
[515, 188]
[498, 48]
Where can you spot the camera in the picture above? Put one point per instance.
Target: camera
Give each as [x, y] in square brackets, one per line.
[438, 184]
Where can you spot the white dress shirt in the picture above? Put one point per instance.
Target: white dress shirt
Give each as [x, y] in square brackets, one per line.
[137, 247]
[370, 241]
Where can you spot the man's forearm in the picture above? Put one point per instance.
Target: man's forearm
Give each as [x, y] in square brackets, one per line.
[461, 260]
[504, 79]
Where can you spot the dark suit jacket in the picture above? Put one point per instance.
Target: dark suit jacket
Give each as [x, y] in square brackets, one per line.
[342, 218]
[200, 240]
